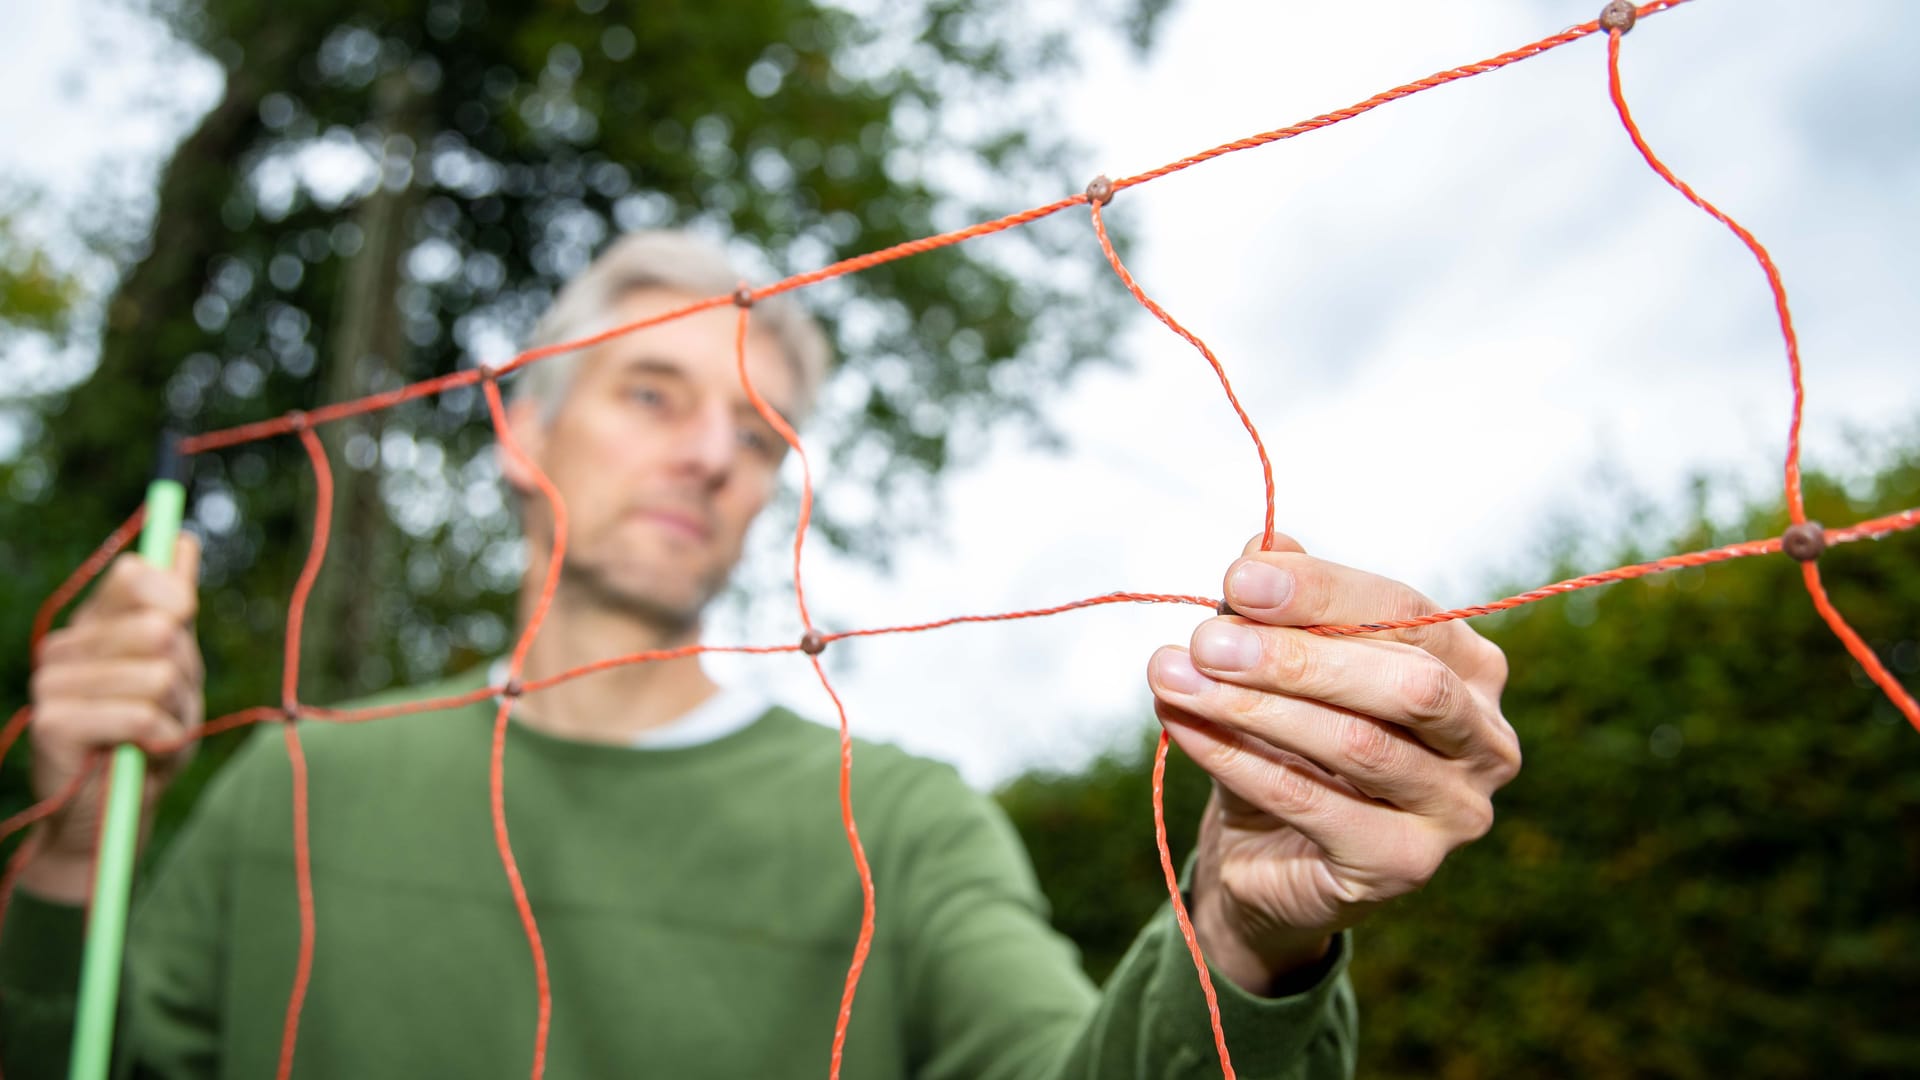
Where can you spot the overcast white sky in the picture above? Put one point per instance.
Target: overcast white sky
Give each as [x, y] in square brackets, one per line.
[1448, 318]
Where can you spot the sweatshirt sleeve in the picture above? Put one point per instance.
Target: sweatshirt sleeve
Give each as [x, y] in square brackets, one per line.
[997, 993]
[170, 995]
[39, 978]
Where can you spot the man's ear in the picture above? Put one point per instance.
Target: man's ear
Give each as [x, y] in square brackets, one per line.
[529, 431]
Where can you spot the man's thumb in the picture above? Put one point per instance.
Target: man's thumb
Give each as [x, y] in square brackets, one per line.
[186, 558]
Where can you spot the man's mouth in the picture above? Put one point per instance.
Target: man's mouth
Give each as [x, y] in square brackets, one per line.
[683, 523]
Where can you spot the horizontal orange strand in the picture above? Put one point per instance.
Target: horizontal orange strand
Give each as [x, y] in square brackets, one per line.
[1464, 71]
[269, 428]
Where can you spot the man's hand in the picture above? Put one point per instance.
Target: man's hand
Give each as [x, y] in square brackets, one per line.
[1345, 768]
[126, 669]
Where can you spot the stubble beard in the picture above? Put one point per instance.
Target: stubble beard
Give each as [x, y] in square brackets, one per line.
[675, 620]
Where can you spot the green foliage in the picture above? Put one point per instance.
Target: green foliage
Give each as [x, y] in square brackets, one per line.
[1706, 868]
[36, 295]
[1091, 837]
[388, 188]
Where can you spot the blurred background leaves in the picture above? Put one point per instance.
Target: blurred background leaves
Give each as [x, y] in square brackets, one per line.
[387, 191]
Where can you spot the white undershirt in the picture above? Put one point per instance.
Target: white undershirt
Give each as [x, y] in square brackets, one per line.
[729, 710]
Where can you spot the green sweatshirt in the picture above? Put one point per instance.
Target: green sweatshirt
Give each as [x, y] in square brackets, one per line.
[698, 907]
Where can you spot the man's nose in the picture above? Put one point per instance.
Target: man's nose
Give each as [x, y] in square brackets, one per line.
[708, 444]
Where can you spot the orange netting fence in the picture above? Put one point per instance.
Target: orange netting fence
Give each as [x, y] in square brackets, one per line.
[1803, 541]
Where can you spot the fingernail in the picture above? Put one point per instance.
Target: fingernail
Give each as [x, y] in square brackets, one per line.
[1173, 670]
[1254, 584]
[1226, 646]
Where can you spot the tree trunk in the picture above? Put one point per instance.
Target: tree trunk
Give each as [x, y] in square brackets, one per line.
[368, 354]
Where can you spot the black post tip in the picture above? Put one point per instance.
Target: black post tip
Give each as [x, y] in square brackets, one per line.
[170, 463]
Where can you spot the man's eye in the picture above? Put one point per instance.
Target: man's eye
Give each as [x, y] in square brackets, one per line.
[761, 442]
[646, 395]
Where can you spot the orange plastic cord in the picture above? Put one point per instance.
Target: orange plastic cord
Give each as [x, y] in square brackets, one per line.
[1180, 904]
[815, 640]
[496, 777]
[811, 643]
[1796, 499]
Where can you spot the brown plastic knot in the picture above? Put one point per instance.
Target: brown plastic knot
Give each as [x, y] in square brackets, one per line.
[289, 710]
[513, 689]
[1225, 608]
[813, 642]
[296, 421]
[1100, 190]
[1804, 542]
[743, 297]
[1618, 15]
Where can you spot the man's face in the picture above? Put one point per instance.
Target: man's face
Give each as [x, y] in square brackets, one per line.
[661, 460]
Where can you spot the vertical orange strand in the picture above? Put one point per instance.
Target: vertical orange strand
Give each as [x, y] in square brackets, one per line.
[1860, 650]
[496, 768]
[303, 878]
[1796, 503]
[864, 942]
[772, 416]
[316, 555]
[296, 758]
[1259, 446]
[1796, 500]
[1180, 905]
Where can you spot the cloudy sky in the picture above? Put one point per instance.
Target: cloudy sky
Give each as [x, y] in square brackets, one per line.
[1456, 320]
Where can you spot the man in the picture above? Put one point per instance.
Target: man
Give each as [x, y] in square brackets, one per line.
[681, 843]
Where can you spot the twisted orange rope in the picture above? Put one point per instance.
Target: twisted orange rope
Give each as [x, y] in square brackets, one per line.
[815, 639]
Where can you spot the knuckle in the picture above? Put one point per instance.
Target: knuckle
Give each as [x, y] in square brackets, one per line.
[1425, 637]
[1291, 658]
[149, 722]
[56, 643]
[1508, 758]
[150, 631]
[154, 679]
[43, 687]
[1228, 754]
[1407, 603]
[1428, 688]
[1292, 791]
[1372, 748]
[125, 577]
[1421, 872]
[1478, 819]
[48, 718]
[1493, 659]
[1416, 864]
[1312, 592]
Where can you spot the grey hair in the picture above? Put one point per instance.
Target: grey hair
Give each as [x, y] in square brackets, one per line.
[676, 260]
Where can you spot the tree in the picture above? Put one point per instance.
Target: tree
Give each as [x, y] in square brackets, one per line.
[1706, 868]
[388, 190]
